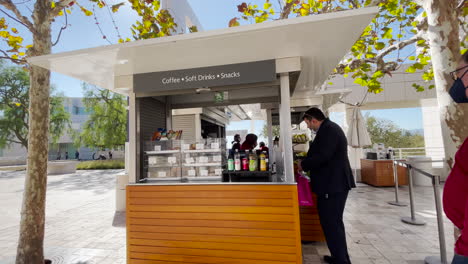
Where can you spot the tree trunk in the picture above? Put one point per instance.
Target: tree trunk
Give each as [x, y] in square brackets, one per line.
[30, 245]
[444, 42]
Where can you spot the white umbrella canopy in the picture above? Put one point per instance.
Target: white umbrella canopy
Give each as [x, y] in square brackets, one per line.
[358, 136]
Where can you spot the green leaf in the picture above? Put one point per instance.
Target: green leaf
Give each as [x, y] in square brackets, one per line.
[116, 7]
[379, 45]
[388, 33]
[419, 88]
[360, 81]
[304, 12]
[421, 43]
[378, 74]
[418, 66]
[411, 69]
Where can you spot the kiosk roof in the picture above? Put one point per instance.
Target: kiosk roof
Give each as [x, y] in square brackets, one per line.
[320, 41]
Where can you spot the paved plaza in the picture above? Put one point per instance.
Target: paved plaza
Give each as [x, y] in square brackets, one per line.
[82, 227]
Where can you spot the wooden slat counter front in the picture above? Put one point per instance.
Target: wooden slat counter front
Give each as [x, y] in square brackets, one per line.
[311, 230]
[213, 223]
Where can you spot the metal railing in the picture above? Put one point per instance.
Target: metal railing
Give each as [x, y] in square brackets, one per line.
[403, 153]
[395, 178]
[412, 219]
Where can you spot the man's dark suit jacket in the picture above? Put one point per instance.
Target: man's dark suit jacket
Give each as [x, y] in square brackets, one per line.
[327, 161]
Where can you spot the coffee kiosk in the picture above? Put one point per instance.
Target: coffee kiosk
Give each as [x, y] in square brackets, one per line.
[201, 220]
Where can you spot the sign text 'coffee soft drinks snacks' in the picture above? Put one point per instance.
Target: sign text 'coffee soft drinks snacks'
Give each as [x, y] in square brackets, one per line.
[232, 74]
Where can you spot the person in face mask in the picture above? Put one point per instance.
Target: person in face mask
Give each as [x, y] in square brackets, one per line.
[459, 92]
[331, 179]
[455, 197]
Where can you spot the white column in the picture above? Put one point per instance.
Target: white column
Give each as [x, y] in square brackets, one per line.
[433, 140]
[132, 138]
[285, 124]
[272, 152]
[269, 128]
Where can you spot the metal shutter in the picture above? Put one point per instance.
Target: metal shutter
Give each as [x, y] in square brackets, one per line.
[185, 123]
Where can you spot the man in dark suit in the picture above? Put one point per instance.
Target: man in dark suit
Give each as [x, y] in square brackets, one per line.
[331, 179]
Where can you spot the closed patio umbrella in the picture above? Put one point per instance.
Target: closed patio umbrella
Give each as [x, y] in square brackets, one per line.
[358, 136]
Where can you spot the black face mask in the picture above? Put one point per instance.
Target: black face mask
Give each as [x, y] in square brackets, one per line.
[458, 92]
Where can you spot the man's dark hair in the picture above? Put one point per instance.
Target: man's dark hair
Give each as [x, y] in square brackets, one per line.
[314, 113]
[262, 144]
[251, 139]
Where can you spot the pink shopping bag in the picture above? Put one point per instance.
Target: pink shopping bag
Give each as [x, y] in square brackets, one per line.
[303, 191]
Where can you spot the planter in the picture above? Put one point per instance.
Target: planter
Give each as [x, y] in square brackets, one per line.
[61, 167]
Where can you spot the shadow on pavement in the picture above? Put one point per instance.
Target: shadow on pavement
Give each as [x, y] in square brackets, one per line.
[119, 219]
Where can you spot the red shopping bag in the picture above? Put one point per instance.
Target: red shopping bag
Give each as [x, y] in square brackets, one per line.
[303, 191]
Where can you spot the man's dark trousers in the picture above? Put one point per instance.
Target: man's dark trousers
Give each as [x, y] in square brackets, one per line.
[330, 208]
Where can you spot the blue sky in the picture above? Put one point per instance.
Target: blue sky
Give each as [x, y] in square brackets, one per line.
[83, 32]
[213, 14]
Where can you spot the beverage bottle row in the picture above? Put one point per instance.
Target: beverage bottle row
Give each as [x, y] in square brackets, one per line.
[249, 161]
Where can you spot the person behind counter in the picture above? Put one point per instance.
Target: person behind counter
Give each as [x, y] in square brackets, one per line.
[236, 143]
[331, 179]
[250, 142]
[263, 147]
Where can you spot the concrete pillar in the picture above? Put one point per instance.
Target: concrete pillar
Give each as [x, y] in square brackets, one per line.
[285, 124]
[132, 139]
[433, 140]
[272, 153]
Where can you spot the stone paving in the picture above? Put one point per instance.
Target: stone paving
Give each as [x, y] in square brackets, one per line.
[82, 227]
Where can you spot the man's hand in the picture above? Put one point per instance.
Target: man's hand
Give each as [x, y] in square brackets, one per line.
[299, 166]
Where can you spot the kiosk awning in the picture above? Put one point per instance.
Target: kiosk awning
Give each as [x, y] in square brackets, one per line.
[320, 41]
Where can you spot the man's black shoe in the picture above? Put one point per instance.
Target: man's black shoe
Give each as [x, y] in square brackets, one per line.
[329, 259]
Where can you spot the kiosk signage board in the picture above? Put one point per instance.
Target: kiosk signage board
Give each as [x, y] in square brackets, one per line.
[232, 74]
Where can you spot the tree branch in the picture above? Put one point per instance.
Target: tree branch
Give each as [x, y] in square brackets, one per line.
[7, 57]
[354, 4]
[398, 46]
[59, 6]
[286, 10]
[8, 4]
[14, 141]
[61, 29]
[461, 5]
[379, 59]
[280, 4]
